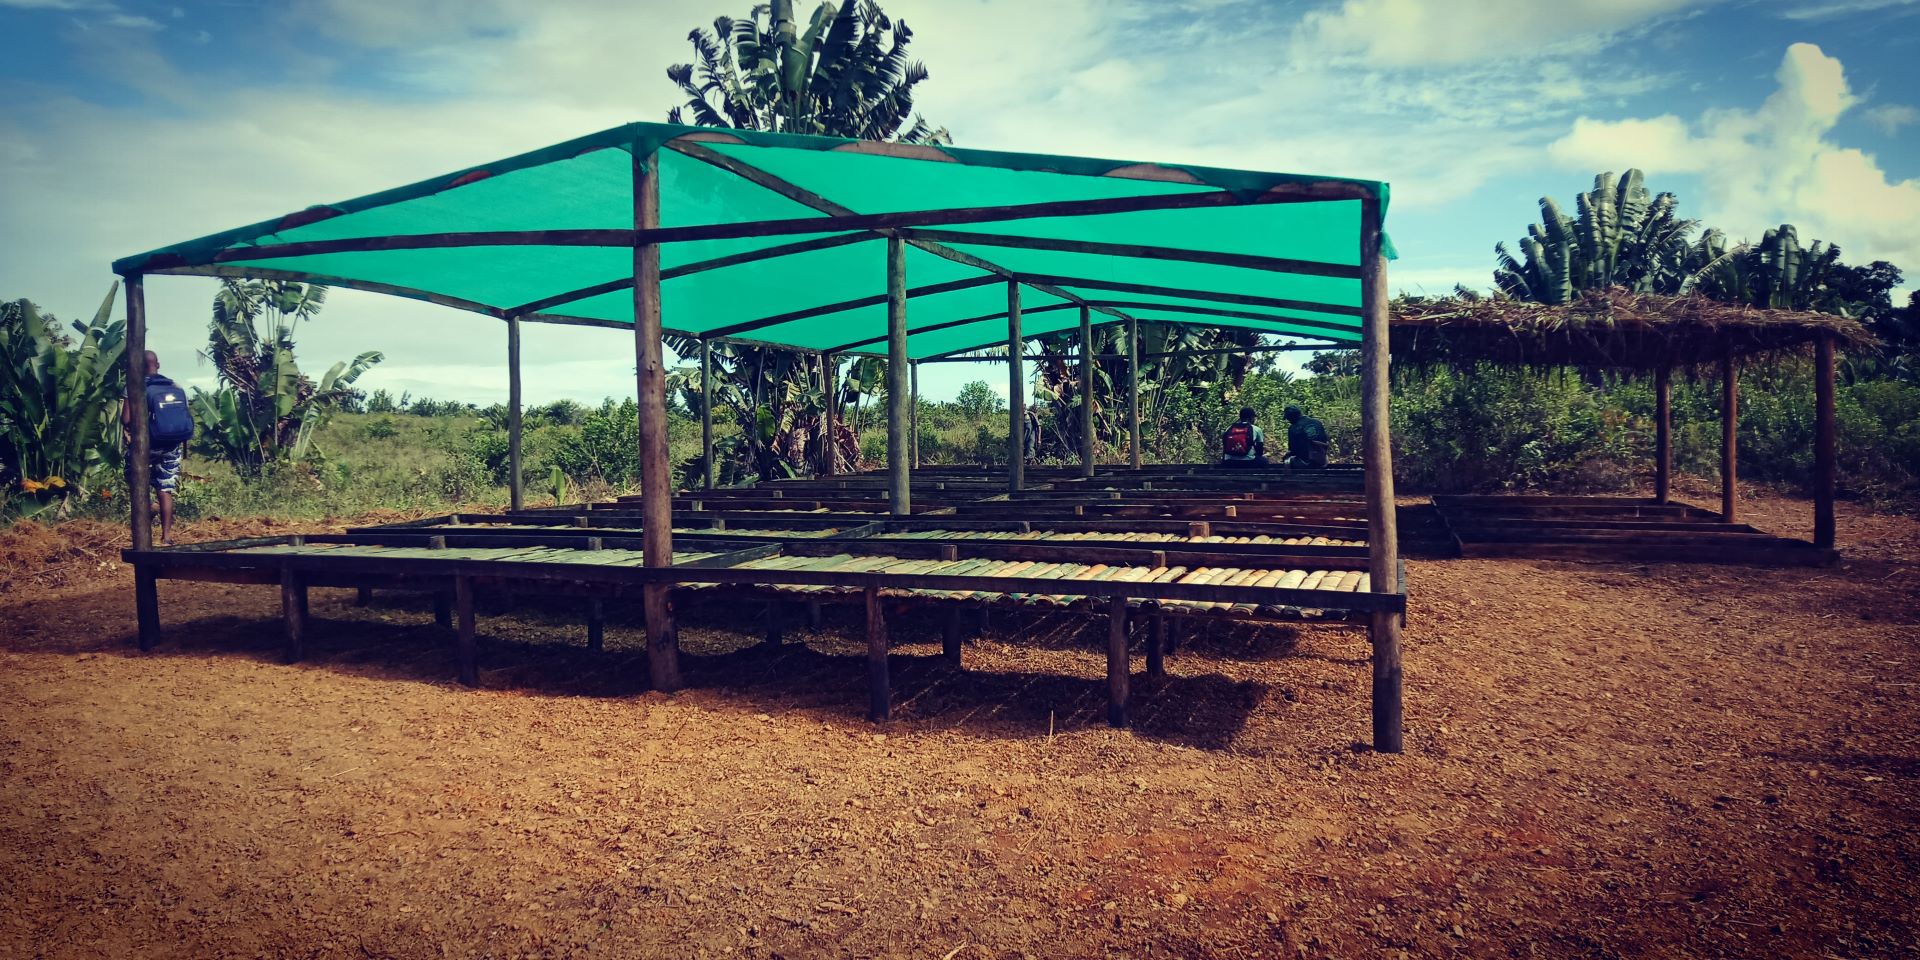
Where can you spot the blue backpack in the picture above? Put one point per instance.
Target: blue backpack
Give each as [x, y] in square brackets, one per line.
[169, 422]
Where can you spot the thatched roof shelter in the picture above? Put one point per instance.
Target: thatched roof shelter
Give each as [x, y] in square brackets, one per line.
[1609, 329]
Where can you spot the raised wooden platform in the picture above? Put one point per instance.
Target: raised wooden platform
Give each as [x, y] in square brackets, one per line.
[1613, 530]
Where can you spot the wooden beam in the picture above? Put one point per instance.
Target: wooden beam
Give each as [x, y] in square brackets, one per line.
[1016, 394]
[1823, 443]
[1729, 436]
[899, 410]
[1313, 268]
[369, 286]
[706, 413]
[913, 417]
[879, 684]
[139, 445]
[701, 266]
[932, 289]
[1119, 662]
[1206, 311]
[1133, 394]
[1156, 643]
[656, 474]
[516, 477]
[946, 324]
[1281, 303]
[146, 604]
[1662, 435]
[951, 631]
[1383, 548]
[1086, 392]
[596, 624]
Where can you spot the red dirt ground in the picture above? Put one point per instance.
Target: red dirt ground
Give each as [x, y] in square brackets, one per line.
[1606, 761]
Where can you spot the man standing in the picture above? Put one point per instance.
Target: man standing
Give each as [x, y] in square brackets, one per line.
[169, 426]
[1244, 444]
[1306, 439]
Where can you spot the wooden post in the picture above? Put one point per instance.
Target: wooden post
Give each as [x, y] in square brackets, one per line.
[1662, 435]
[1729, 435]
[1823, 442]
[1156, 644]
[656, 475]
[951, 630]
[139, 452]
[1016, 393]
[899, 409]
[596, 624]
[776, 625]
[516, 488]
[1383, 547]
[830, 391]
[464, 646]
[146, 602]
[293, 608]
[1086, 390]
[879, 686]
[1119, 664]
[913, 416]
[362, 596]
[706, 414]
[1133, 393]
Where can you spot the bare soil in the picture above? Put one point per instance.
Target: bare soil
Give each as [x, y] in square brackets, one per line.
[1606, 761]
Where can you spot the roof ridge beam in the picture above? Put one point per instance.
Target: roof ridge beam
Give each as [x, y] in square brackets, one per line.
[1242, 298]
[1315, 268]
[868, 301]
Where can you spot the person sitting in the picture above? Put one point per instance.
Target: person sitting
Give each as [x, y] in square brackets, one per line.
[1244, 444]
[1306, 439]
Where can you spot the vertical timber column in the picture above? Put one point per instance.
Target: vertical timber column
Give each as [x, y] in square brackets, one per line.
[1016, 393]
[1383, 547]
[516, 480]
[1086, 391]
[139, 454]
[830, 392]
[1133, 393]
[656, 478]
[706, 413]
[1823, 442]
[899, 403]
[913, 418]
[1729, 435]
[1663, 435]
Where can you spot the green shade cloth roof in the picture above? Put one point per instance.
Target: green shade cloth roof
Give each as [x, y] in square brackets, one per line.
[548, 236]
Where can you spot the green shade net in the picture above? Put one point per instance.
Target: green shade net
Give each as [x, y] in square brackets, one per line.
[828, 294]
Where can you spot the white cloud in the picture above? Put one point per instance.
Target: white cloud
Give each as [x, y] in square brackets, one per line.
[1890, 117]
[1401, 33]
[133, 21]
[1775, 164]
[1802, 10]
[66, 5]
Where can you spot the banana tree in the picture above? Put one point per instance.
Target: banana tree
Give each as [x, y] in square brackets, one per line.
[774, 398]
[59, 404]
[1621, 235]
[845, 74]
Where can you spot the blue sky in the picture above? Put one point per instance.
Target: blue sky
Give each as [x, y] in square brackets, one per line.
[127, 124]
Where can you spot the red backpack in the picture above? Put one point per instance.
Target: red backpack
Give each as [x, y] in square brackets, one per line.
[1239, 440]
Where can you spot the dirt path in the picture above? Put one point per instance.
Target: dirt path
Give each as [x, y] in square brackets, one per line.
[1602, 761]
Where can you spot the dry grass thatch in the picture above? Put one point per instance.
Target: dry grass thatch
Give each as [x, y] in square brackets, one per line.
[1614, 328]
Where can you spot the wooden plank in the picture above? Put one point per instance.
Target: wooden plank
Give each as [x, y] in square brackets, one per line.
[879, 684]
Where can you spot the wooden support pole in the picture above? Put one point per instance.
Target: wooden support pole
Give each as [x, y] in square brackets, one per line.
[951, 630]
[656, 474]
[1383, 548]
[1823, 443]
[139, 452]
[516, 476]
[442, 609]
[146, 602]
[899, 408]
[1156, 644]
[1086, 391]
[596, 625]
[1729, 436]
[706, 414]
[363, 596]
[776, 624]
[879, 685]
[1119, 663]
[293, 609]
[830, 392]
[815, 616]
[463, 649]
[1016, 394]
[1133, 393]
[1662, 435]
[913, 418]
